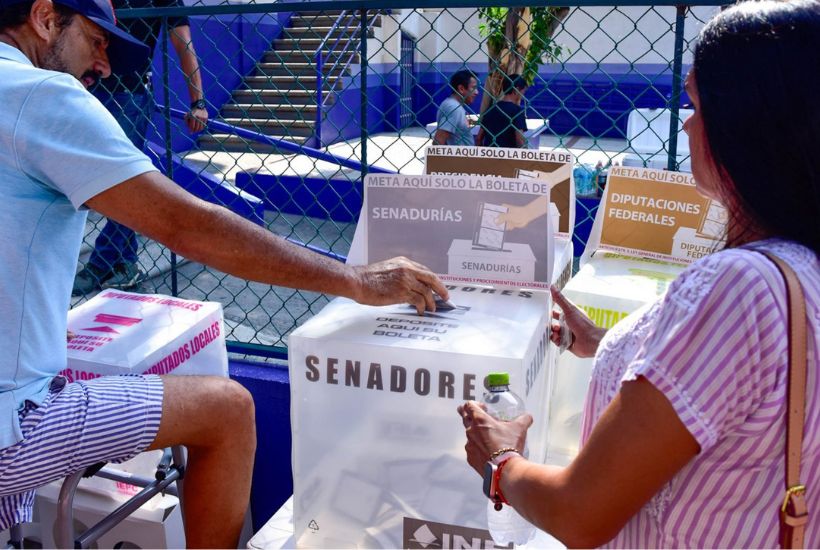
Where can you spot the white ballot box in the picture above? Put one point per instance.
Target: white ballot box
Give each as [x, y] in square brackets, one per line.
[562, 268]
[125, 333]
[467, 259]
[378, 448]
[608, 288]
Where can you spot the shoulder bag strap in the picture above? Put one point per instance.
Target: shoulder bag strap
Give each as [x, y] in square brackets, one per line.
[793, 512]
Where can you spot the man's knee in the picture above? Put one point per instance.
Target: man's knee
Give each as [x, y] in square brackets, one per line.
[205, 409]
[231, 404]
[240, 402]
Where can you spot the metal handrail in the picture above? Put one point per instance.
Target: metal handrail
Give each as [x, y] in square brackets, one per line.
[349, 59]
[287, 145]
[319, 61]
[279, 143]
[347, 51]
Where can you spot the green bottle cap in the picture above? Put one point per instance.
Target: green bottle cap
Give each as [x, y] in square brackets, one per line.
[498, 379]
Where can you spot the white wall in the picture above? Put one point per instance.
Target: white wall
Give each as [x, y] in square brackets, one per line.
[623, 35]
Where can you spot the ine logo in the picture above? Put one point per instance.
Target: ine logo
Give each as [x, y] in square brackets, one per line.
[429, 535]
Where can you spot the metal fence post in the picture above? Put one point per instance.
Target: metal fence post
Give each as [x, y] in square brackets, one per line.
[319, 99]
[169, 153]
[677, 87]
[363, 91]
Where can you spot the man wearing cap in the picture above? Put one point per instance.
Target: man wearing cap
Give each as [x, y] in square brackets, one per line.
[55, 163]
[113, 260]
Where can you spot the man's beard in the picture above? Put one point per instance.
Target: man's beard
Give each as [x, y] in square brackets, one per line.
[54, 59]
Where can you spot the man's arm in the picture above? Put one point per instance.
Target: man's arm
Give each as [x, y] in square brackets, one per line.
[154, 206]
[181, 39]
[520, 140]
[520, 128]
[441, 137]
[479, 138]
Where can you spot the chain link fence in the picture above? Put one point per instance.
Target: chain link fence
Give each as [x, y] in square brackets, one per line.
[304, 98]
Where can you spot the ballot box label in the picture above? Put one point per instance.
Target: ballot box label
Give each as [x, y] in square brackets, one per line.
[430, 534]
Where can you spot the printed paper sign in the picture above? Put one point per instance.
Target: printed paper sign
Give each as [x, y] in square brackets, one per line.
[553, 166]
[659, 214]
[478, 229]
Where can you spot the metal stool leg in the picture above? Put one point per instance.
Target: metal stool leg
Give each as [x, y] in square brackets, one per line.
[64, 524]
[65, 537]
[180, 455]
[15, 536]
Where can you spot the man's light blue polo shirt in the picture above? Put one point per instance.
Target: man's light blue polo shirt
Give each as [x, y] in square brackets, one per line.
[452, 118]
[59, 147]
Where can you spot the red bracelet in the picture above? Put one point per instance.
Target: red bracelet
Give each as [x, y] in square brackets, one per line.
[499, 496]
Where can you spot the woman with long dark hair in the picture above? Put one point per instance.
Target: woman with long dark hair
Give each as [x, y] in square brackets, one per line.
[684, 427]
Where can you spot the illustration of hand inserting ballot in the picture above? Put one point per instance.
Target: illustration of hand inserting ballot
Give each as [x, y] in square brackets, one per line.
[516, 217]
[489, 233]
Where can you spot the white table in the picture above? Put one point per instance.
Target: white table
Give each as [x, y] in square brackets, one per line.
[535, 127]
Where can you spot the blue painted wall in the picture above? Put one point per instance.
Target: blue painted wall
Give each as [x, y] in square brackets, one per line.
[228, 47]
[206, 186]
[578, 99]
[336, 199]
[272, 477]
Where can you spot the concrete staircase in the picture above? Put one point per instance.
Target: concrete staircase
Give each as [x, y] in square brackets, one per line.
[279, 98]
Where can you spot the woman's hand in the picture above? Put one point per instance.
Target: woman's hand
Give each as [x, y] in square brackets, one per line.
[485, 434]
[585, 335]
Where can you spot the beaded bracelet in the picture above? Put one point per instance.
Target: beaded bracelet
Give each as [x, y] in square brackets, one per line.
[503, 450]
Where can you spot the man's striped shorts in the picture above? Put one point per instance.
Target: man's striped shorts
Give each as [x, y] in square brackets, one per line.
[112, 418]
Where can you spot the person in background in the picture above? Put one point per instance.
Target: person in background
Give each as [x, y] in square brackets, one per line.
[453, 127]
[55, 164]
[504, 123]
[683, 436]
[113, 261]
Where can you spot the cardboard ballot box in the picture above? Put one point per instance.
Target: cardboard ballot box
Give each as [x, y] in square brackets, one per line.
[122, 333]
[608, 288]
[378, 448]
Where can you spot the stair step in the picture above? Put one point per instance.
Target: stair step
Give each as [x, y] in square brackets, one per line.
[294, 97]
[311, 44]
[231, 143]
[327, 21]
[321, 13]
[302, 21]
[310, 33]
[280, 98]
[274, 127]
[302, 33]
[308, 56]
[270, 122]
[283, 111]
[289, 82]
[292, 69]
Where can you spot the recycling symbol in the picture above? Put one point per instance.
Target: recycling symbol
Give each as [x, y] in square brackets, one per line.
[313, 526]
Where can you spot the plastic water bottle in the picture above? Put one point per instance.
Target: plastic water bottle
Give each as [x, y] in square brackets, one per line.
[505, 525]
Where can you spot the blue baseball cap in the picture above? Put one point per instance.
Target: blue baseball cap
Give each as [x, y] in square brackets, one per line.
[126, 54]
